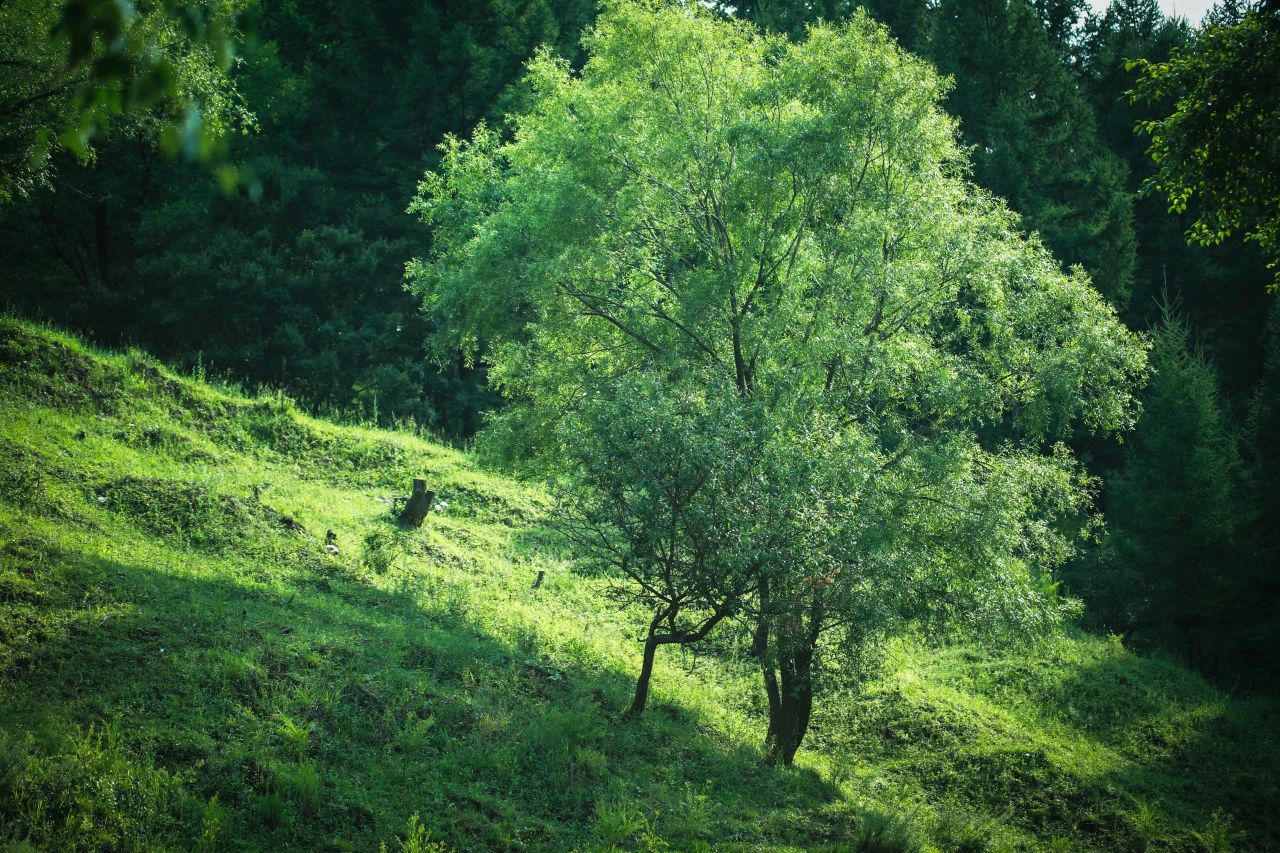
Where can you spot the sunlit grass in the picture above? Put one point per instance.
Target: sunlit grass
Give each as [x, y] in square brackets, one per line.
[211, 676]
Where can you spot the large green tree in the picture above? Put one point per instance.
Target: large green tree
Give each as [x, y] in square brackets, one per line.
[785, 230]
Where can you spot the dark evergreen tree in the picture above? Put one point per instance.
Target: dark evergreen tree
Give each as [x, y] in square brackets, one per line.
[1258, 642]
[1173, 506]
[910, 21]
[1034, 137]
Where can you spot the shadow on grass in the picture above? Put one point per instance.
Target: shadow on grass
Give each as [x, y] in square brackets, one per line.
[1196, 761]
[1107, 751]
[322, 711]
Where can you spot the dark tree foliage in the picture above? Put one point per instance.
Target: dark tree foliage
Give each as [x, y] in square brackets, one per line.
[1221, 292]
[295, 279]
[1219, 287]
[1220, 143]
[1258, 641]
[1034, 137]
[1174, 505]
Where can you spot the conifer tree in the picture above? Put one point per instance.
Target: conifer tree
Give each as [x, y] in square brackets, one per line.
[1035, 138]
[1259, 656]
[1173, 505]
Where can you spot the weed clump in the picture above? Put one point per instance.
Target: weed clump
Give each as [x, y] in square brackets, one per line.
[882, 832]
[382, 549]
[86, 793]
[22, 481]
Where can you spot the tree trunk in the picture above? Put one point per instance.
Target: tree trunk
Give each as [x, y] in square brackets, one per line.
[655, 639]
[791, 701]
[646, 672]
[789, 724]
[415, 511]
[760, 648]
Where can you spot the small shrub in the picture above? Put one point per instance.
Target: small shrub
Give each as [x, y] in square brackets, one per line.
[417, 839]
[590, 764]
[381, 551]
[271, 811]
[212, 819]
[415, 735]
[303, 786]
[87, 793]
[616, 824]
[1146, 824]
[880, 832]
[694, 813]
[296, 737]
[1219, 836]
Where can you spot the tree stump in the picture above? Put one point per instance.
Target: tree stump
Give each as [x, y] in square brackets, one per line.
[419, 504]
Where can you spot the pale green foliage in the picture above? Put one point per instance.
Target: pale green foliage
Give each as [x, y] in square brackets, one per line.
[788, 225]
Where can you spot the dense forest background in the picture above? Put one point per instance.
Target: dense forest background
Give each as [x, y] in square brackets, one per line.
[290, 273]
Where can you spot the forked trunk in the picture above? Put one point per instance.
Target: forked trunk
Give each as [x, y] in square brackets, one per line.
[655, 639]
[788, 679]
[790, 722]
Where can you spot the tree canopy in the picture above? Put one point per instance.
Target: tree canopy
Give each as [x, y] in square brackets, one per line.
[295, 279]
[72, 67]
[1218, 151]
[719, 214]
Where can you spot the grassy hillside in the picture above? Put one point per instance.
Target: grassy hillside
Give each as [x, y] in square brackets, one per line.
[183, 665]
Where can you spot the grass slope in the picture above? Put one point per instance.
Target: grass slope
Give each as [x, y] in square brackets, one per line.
[182, 665]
